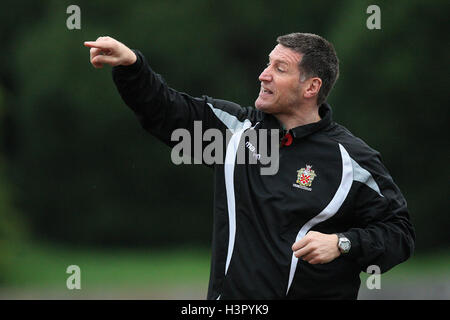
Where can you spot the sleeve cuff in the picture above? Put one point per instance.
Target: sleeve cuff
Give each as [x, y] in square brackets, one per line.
[355, 250]
[132, 68]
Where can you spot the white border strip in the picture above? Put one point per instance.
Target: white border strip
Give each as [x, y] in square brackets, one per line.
[330, 210]
[230, 160]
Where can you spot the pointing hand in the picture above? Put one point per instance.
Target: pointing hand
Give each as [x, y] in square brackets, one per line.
[106, 50]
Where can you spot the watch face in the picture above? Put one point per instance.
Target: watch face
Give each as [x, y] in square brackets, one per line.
[344, 244]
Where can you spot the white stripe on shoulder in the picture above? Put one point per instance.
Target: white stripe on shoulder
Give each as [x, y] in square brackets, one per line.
[362, 175]
[229, 120]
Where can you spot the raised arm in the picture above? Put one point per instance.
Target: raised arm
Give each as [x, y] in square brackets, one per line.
[159, 108]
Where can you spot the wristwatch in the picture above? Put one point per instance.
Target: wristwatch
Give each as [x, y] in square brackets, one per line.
[344, 243]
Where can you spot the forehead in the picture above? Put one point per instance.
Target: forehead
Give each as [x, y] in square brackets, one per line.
[285, 54]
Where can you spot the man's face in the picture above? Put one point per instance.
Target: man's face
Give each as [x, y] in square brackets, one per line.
[281, 89]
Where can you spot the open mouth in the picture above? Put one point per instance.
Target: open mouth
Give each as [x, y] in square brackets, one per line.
[266, 91]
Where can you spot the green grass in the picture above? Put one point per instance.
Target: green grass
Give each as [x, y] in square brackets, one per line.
[45, 266]
[419, 267]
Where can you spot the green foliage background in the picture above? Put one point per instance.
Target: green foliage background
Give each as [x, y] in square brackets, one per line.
[76, 167]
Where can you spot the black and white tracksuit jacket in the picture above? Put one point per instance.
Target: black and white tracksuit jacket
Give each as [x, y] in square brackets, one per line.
[257, 218]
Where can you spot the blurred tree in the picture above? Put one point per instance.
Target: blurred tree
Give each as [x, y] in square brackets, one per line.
[11, 225]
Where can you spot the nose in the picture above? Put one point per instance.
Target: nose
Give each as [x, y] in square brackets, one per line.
[265, 75]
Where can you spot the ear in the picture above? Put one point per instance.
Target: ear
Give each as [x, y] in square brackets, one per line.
[312, 87]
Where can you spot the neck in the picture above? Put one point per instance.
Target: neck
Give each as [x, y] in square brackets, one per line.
[301, 116]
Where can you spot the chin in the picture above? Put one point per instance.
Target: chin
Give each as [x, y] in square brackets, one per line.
[261, 105]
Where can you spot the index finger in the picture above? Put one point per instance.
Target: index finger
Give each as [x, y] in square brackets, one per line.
[300, 244]
[303, 252]
[96, 44]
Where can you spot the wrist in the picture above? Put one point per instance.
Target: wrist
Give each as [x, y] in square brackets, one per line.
[336, 242]
[131, 59]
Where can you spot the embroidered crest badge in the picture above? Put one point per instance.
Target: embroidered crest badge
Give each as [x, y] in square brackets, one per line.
[305, 177]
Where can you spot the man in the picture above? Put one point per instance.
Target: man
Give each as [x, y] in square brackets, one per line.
[308, 230]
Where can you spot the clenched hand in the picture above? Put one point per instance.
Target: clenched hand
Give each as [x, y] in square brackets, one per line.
[316, 247]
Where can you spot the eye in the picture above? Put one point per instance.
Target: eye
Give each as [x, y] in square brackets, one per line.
[278, 68]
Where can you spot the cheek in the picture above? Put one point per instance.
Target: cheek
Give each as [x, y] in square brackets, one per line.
[291, 91]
